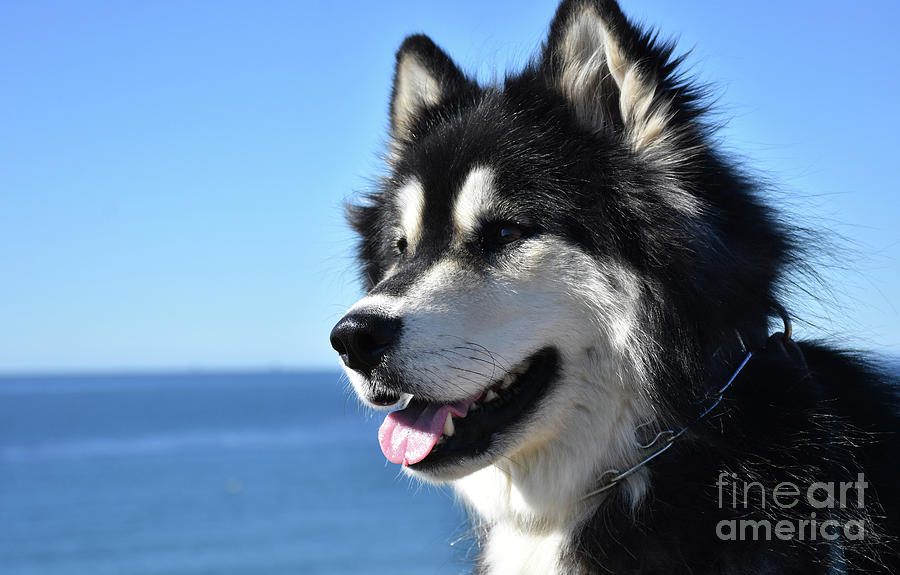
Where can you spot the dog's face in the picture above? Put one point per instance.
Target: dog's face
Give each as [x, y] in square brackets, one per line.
[486, 300]
[513, 255]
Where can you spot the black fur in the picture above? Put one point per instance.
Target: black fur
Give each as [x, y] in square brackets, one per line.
[781, 422]
[705, 275]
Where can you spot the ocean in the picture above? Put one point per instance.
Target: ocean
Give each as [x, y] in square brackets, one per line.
[252, 473]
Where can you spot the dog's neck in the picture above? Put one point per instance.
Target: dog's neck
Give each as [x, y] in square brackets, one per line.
[529, 536]
[528, 520]
[516, 536]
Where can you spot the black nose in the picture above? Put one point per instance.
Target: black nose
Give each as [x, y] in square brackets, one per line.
[362, 339]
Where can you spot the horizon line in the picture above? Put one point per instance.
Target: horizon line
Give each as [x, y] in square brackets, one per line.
[105, 372]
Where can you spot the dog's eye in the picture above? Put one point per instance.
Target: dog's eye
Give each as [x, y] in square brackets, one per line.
[509, 233]
[499, 234]
[400, 246]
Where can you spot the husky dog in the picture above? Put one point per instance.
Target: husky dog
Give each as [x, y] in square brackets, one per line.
[569, 293]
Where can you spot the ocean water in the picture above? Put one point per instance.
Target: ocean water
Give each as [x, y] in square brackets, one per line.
[265, 473]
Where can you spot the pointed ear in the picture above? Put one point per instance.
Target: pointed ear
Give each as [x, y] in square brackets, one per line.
[612, 74]
[424, 76]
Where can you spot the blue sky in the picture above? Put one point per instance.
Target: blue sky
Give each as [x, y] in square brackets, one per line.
[171, 173]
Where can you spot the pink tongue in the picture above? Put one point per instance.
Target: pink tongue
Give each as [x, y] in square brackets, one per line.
[408, 435]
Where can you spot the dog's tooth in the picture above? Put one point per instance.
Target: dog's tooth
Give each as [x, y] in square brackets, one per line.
[475, 406]
[491, 395]
[448, 426]
[519, 369]
[508, 380]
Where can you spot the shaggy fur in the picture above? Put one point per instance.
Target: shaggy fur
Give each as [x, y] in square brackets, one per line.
[642, 252]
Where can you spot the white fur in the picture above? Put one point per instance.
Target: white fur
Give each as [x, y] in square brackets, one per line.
[475, 200]
[416, 89]
[411, 206]
[513, 552]
[591, 51]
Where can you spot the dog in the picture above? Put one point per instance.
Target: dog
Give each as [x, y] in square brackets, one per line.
[569, 293]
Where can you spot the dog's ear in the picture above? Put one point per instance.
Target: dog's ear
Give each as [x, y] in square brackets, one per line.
[424, 76]
[613, 75]
[363, 219]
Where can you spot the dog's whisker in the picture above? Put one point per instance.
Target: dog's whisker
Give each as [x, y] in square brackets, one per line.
[453, 366]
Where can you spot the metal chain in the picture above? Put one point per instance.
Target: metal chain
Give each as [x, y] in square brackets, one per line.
[668, 436]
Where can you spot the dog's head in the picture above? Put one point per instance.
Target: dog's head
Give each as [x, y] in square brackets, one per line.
[543, 252]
